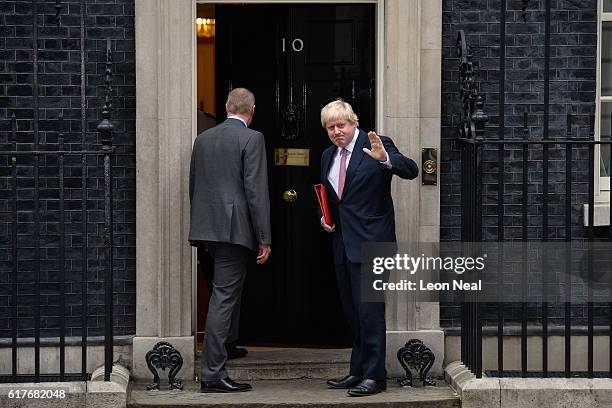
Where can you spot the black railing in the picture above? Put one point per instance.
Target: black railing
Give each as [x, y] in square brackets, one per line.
[27, 202]
[19, 162]
[486, 217]
[473, 167]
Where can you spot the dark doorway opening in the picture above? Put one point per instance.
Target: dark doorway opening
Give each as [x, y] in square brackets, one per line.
[295, 58]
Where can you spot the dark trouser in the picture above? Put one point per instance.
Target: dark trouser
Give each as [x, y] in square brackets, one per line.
[224, 305]
[367, 321]
[234, 333]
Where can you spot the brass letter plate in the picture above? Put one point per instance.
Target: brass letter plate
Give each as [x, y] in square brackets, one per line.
[291, 157]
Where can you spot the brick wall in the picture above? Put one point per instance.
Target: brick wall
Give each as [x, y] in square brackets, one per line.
[572, 90]
[59, 90]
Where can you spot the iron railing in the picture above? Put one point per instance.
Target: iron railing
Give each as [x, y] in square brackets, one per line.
[472, 206]
[475, 143]
[25, 163]
[20, 160]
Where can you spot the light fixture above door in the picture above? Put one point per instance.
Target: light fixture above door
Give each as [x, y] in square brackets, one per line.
[205, 27]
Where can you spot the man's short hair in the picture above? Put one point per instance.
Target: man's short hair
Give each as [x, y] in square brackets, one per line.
[240, 101]
[338, 110]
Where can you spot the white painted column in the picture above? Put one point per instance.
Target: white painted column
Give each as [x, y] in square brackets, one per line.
[412, 91]
[164, 120]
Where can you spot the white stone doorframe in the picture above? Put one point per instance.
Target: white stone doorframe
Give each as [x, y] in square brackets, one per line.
[408, 109]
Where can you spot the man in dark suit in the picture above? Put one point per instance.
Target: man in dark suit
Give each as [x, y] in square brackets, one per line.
[230, 217]
[205, 121]
[357, 171]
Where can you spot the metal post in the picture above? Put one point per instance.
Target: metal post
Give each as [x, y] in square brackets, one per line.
[106, 128]
[547, 15]
[590, 260]
[36, 193]
[62, 254]
[83, 195]
[525, 159]
[568, 256]
[500, 181]
[14, 251]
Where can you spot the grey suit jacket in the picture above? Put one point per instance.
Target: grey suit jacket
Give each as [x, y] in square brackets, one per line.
[228, 186]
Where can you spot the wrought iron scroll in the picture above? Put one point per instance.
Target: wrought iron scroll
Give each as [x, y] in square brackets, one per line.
[163, 356]
[58, 9]
[417, 356]
[473, 117]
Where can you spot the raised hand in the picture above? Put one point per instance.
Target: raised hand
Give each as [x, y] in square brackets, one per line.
[378, 151]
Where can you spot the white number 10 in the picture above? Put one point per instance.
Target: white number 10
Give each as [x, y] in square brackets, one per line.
[297, 45]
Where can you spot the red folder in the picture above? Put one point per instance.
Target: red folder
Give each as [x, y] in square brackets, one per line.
[323, 203]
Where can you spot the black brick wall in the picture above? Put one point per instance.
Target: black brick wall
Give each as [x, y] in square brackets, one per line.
[59, 69]
[572, 90]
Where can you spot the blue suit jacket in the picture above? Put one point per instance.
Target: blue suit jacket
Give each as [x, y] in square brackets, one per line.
[365, 212]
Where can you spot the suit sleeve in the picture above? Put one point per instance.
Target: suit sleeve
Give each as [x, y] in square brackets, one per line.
[256, 187]
[401, 165]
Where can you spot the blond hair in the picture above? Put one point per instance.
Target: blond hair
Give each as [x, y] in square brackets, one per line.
[240, 101]
[338, 110]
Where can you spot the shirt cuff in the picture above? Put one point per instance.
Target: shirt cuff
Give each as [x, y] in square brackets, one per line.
[387, 163]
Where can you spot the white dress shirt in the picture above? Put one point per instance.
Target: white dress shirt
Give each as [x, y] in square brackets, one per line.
[239, 118]
[334, 171]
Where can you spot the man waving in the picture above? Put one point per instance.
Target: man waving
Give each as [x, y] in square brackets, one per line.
[357, 170]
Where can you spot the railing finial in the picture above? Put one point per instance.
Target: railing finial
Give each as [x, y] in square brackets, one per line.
[480, 117]
[105, 127]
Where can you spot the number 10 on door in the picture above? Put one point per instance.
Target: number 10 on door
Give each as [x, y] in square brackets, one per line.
[297, 44]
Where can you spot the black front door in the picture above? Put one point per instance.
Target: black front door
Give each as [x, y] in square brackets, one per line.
[296, 58]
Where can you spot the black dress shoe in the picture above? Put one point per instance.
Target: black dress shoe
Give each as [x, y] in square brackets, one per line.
[345, 382]
[367, 387]
[235, 352]
[224, 385]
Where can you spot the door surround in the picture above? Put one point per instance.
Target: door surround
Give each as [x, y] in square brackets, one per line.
[379, 69]
[409, 36]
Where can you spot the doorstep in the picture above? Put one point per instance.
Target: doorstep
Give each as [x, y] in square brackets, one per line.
[304, 393]
[287, 364]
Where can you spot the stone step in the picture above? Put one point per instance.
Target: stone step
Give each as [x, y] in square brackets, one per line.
[288, 364]
[295, 394]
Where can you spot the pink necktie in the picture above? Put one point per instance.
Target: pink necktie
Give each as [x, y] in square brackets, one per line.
[342, 177]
